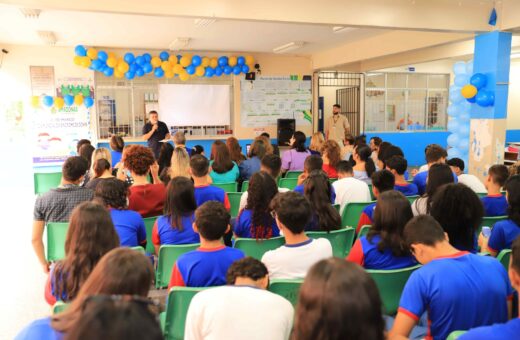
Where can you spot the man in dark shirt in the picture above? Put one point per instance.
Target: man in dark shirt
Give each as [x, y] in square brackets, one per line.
[155, 131]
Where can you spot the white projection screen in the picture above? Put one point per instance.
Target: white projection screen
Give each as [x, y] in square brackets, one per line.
[194, 105]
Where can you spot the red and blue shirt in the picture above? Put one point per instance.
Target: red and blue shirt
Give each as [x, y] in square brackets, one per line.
[409, 189]
[509, 330]
[502, 235]
[367, 216]
[244, 223]
[301, 190]
[164, 233]
[451, 289]
[366, 254]
[204, 267]
[130, 227]
[39, 329]
[495, 205]
[210, 193]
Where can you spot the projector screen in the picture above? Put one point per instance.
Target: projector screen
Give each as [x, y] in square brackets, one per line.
[194, 105]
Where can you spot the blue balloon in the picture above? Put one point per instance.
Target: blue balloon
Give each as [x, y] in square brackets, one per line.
[461, 80]
[164, 55]
[209, 72]
[453, 140]
[470, 100]
[102, 55]
[223, 61]
[453, 126]
[107, 72]
[469, 67]
[478, 80]
[139, 72]
[454, 153]
[129, 75]
[241, 61]
[68, 99]
[147, 57]
[133, 67]
[190, 69]
[218, 71]
[485, 98]
[88, 102]
[463, 144]
[196, 60]
[453, 110]
[455, 95]
[48, 101]
[147, 68]
[464, 117]
[140, 60]
[459, 68]
[158, 72]
[463, 129]
[236, 70]
[129, 58]
[80, 50]
[96, 64]
[228, 69]
[245, 68]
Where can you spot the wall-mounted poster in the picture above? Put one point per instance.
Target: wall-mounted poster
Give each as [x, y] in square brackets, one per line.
[42, 80]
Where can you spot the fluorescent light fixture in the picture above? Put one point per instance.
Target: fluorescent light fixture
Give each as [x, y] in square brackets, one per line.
[204, 22]
[515, 55]
[294, 45]
[341, 29]
[31, 13]
[179, 44]
[47, 37]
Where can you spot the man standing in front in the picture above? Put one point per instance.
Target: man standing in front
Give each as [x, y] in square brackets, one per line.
[155, 131]
[337, 125]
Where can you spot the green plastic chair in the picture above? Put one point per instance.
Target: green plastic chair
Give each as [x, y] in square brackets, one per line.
[390, 284]
[289, 183]
[227, 187]
[43, 182]
[138, 248]
[59, 307]
[481, 194]
[373, 197]
[412, 199]
[56, 235]
[337, 207]
[148, 224]
[293, 174]
[455, 335]
[257, 248]
[504, 257]
[168, 254]
[341, 240]
[490, 222]
[245, 186]
[351, 214]
[364, 230]
[332, 180]
[179, 300]
[288, 289]
[234, 201]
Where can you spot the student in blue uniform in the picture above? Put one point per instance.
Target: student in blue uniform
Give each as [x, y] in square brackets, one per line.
[204, 191]
[382, 181]
[434, 154]
[312, 163]
[397, 166]
[495, 204]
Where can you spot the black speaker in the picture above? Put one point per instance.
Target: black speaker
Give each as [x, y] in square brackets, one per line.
[286, 128]
[250, 76]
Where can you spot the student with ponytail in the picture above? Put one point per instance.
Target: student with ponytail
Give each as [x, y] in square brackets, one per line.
[365, 166]
[318, 190]
[101, 171]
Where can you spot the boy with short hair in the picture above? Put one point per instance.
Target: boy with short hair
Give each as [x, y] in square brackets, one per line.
[397, 166]
[293, 260]
[382, 181]
[472, 181]
[204, 191]
[313, 162]
[434, 154]
[451, 286]
[349, 189]
[495, 204]
[206, 266]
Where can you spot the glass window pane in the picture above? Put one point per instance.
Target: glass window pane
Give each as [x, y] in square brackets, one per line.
[438, 81]
[114, 112]
[375, 80]
[437, 105]
[395, 110]
[396, 80]
[375, 110]
[416, 106]
[417, 81]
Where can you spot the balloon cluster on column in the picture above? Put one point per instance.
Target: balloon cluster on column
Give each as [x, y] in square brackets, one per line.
[59, 102]
[164, 65]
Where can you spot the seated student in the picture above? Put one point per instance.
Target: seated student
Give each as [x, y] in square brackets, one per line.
[380, 164]
[223, 169]
[252, 164]
[212, 313]
[495, 204]
[175, 226]
[318, 191]
[348, 147]
[113, 194]
[434, 154]
[459, 212]
[197, 150]
[384, 247]
[101, 171]
[375, 143]
[91, 235]
[511, 329]
[504, 232]
[57, 204]
[204, 191]
[382, 181]
[331, 154]
[293, 159]
[312, 163]
[86, 152]
[397, 166]
[117, 144]
[206, 266]
[276, 149]
[80, 143]
[145, 198]
[235, 150]
[165, 161]
[349, 189]
[179, 166]
[179, 141]
[121, 271]
[365, 166]
[316, 144]
[472, 181]
[438, 175]
[348, 290]
[293, 260]
[457, 289]
[255, 221]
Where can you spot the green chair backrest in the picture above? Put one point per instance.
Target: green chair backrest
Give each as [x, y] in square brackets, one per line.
[341, 240]
[168, 254]
[59, 307]
[412, 199]
[490, 222]
[373, 197]
[148, 224]
[43, 182]
[455, 335]
[289, 183]
[245, 186]
[293, 174]
[234, 201]
[288, 289]
[257, 248]
[481, 194]
[351, 214]
[138, 248]
[227, 187]
[390, 284]
[337, 207]
[332, 180]
[179, 300]
[56, 235]
[364, 230]
[504, 257]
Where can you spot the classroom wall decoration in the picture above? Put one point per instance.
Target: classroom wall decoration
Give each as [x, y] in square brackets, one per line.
[164, 65]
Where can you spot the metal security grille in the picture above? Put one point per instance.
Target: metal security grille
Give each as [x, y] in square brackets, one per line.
[349, 100]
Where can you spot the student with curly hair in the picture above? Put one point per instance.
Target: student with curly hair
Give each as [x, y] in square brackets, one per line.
[318, 190]
[331, 154]
[223, 169]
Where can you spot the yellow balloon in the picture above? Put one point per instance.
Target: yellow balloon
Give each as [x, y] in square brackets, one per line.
[177, 68]
[35, 101]
[213, 62]
[173, 59]
[169, 74]
[77, 60]
[85, 61]
[112, 55]
[250, 60]
[112, 62]
[156, 61]
[200, 70]
[251, 67]
[166, 66]
[184, 76]
[185, 61]
[232, 61]
[78, 99]
[123, 67]
[205, 61]
[469, 91]
[92, 53]
[59, 103]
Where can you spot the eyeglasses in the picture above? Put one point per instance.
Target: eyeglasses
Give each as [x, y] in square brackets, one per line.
[153, 306]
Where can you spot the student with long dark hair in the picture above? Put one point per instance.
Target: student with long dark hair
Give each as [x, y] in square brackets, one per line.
[223, 169]
[165, 159]
[384, 246]
[331, 153]
[91, 235]
[338, 300]
[117, 144]
[101, 171]
[365, 166]
[255, 221]
[175, 226]
[438, 175]
[318, 191]
[293, 159]
[459, 211]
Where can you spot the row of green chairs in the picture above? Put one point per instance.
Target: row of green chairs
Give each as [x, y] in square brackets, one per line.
[45, 181]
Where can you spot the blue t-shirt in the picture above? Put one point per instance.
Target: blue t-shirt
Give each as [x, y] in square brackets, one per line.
[301, 190]
[164, 233]
[374, 259]
[409, 189]
[39, 329]
[495, 205]
[420, 181]
[509, 330]
[225, 177]
[209, 193]
[451, 289]
[243, 225]
[116, 157]
[129, 226]
[369, 210]
[502, 235]
[249, 167]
